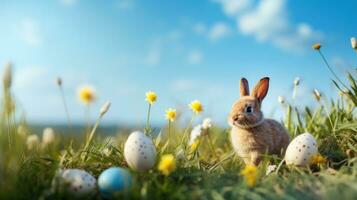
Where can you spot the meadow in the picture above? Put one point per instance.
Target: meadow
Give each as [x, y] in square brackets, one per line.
[204, 168]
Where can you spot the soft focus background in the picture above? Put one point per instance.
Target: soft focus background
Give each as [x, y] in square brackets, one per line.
[183, 50]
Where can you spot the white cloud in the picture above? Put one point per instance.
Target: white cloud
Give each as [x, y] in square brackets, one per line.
[30, 32]
[233, 7]
[153, 57]
[267, 21]
[195, 57]
[125, 4]
[69, 2]
[218, 31]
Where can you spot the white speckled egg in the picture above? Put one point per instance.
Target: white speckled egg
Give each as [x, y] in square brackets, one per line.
[77, 181]
[139, 152]
[300, 150]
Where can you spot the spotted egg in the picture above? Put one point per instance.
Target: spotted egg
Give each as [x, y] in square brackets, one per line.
[77, 182]
[301, 149]
[114, 180]
[139, 152]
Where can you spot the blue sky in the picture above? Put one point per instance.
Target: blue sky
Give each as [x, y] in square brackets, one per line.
[183, 50]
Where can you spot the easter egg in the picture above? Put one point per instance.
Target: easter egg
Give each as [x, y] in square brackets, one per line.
[77, 181]
[300, 150]
[114, 180]
[139, 152]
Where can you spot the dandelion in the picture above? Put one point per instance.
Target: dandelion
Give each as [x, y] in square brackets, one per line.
[297, 81]
[317, 95]
[317, 159]
[151, 97]
[105, 108]
[316, 46]
[170, 114]
[196, 107]
[48, 136]
[32, 141]
[195, 133]
[270, 169]
[354, 43]
[250, 174]
[86, 94]
[167, 164]
[207, 123]
[281, 99]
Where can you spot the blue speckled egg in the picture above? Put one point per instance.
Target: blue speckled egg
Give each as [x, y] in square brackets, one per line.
[114, 180]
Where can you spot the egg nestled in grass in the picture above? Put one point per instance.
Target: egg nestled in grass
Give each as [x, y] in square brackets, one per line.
[114, 180]
[139, 152]
[76, 181]
[300, 150]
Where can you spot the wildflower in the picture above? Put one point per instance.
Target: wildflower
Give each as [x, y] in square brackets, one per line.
[354, 43]
[196, 106]
[194, 145]
[86, 94]
[270, 169]
[281, 99]
[105, 108]
[316, 46]
[48, 136]
[207, 123]
[59, 81]
[7, 78]
[32, 141]
[250, 175]
[195, 133]
[167, 164]
[151, 97]
[317, 159]
[317, 95]
[21, 131]
[297, 81]
[170, 114]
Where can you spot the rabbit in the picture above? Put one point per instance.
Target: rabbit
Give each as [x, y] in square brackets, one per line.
[251, 134]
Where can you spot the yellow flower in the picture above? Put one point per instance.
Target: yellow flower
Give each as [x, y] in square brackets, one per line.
[316, 46]
[196, 107]
[317, 159]
[170, 114]
[86, 94]
[250, 175]
[151, 97]
[167, 164]
[194, 145]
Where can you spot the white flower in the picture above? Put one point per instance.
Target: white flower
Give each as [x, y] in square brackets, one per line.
[354, 43]
[207, 123]
[105, 108]
[21, 131]
[270, 169]
[281, 99]
[32, 141]
[297, 81]
[195, 133]
[48, 136]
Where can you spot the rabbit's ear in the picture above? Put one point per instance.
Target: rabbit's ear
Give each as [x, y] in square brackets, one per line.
[244, 87]
[261, 89]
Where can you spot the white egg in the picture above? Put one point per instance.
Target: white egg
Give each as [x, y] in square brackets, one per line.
[78, 182]
[139, 152]
[301, 149]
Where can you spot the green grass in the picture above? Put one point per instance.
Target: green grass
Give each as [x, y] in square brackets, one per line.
[202, 174]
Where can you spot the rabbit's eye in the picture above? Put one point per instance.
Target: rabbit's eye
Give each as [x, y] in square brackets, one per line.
[249, 109]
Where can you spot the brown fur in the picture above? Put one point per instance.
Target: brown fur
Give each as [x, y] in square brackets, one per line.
[251, 134]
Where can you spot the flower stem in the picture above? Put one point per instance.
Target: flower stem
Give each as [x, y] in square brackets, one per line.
[329, 67]
[65, 106]
[148, 128]
[186, 130]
